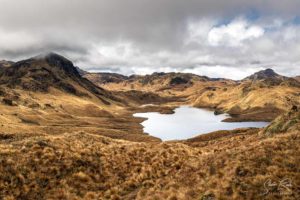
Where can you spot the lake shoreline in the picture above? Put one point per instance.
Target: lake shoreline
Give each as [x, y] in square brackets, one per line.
[153, 123]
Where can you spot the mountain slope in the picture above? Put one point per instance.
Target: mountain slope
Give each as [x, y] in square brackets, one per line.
[43, 72]
[47, 95]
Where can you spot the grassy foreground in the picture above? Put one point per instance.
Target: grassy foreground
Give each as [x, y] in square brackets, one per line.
[244, 164]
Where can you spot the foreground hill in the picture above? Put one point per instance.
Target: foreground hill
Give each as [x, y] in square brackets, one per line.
[261, 96]
[240, 164]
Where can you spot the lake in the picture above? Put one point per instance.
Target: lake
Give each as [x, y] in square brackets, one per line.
[188, 122]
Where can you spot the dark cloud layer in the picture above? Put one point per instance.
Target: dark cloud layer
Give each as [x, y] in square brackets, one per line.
[142, 36]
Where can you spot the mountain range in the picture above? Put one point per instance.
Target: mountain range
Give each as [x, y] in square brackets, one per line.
[261, 96]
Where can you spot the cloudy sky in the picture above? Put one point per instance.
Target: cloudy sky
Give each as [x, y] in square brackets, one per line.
[231, 38]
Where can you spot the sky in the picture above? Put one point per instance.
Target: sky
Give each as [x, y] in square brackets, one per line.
[230, 39]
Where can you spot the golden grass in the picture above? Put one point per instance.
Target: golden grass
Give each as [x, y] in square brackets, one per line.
[86, 166]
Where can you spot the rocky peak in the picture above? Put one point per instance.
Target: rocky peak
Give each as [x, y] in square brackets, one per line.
[55, 60]
[264, 74]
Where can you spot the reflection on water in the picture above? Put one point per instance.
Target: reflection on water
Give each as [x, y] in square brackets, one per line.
[188, 122]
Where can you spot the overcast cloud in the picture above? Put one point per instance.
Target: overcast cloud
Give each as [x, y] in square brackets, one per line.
[231, 38]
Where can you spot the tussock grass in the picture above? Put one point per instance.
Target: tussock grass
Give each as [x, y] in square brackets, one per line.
[86, 166]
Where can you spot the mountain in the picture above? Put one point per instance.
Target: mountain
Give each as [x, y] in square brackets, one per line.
[268, 77]
[43, 72]
[297, 78]
[264, 74]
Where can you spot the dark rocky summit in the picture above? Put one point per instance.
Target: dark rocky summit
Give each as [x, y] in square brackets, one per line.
[264, 74]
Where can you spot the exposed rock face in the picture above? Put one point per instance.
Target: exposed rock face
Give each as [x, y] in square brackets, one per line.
[178, 80]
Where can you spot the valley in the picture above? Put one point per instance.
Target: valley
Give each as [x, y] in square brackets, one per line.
[70, 134]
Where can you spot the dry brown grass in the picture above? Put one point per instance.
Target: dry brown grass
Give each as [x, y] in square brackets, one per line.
[86, 166]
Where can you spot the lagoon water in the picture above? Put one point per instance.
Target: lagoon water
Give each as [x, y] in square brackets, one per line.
[188, 122]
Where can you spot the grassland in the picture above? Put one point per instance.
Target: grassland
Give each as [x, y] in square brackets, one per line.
[79, 165]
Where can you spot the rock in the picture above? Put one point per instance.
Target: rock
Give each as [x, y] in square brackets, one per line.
[218, 112]
[8, 102]
[294, 108]
[178, 80]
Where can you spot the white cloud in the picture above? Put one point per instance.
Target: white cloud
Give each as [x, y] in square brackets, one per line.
[234, 33]
[240, 48]
[197, 31]
[181, 36]
[11, 40]
[223, 71]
